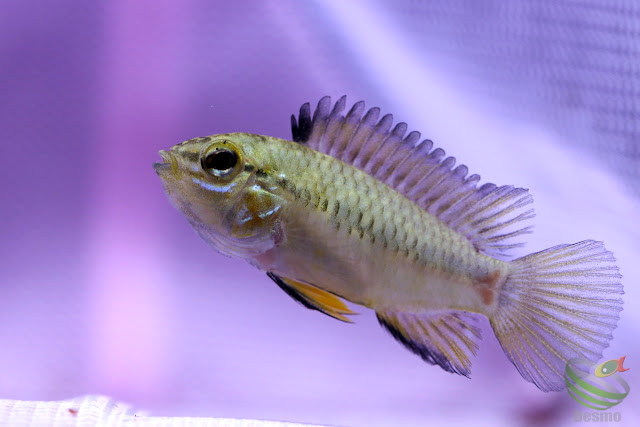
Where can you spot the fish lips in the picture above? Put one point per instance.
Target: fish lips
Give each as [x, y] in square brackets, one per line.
[169, 164]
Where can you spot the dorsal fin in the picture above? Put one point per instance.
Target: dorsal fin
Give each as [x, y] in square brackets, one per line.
[489, 216]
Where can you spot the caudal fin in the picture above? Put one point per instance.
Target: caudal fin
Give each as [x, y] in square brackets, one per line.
[555, 305]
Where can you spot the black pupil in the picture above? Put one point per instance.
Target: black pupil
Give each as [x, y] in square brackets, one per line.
[220, 160]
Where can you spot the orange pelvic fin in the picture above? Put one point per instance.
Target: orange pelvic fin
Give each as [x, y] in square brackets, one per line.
[314, 298]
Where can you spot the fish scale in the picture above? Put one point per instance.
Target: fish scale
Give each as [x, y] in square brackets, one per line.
[386, 211]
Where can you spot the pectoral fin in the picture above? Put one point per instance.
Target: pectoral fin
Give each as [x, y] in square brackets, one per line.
[443, 338]
[314, 298]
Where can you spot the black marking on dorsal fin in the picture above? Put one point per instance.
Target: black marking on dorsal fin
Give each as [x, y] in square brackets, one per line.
[489, 216]
[302, 129]
[447, 339]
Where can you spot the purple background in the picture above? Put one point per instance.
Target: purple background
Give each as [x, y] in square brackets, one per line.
[104, 288]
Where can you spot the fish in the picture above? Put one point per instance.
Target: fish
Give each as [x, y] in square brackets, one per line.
[356, 211]
[610, 367]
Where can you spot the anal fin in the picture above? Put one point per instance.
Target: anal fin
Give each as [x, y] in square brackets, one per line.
[314, 298]
[446, 338]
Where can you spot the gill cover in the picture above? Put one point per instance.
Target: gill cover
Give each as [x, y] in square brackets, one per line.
[252, 220]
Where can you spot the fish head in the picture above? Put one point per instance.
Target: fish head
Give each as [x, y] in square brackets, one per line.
[217, 182]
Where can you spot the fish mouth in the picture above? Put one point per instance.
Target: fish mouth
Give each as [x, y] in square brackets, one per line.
[169, 163]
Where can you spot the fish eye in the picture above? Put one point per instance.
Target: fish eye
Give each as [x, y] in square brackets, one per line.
[220, 160]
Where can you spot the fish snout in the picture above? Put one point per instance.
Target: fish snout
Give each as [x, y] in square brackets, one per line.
[169, 163]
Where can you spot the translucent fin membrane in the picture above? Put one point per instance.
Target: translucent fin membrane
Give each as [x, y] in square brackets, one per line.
[446, 339]
[558, 304]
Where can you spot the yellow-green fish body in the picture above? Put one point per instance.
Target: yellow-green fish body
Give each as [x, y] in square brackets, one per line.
[352, 209]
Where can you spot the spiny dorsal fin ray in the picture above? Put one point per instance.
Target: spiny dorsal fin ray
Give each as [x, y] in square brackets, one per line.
[314, 298]
[489, 216]
[446, 339]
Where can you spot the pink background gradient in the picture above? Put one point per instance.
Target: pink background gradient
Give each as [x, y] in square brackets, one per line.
[105, 289]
